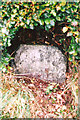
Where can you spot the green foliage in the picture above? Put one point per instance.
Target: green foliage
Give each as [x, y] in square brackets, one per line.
[31, 14]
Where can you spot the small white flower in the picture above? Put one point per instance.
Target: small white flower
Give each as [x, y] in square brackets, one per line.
[64, 29]
[50, 87]
[22, 100]
[58, 8]
[72, 52]
[74, 23]
[57, 106]
[58, 110]
[28, 21]
[64, 107]
[12, 16]
[69, 34]
[77, 40]
[3, 30]
[4, 69]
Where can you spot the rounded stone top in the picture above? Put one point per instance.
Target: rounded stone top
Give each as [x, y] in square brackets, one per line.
[45, 62]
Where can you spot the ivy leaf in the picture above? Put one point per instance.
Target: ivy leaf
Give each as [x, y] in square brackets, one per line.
[69, 19]
[58, 18]
[17, 6]
[28, 21]
[31, 26]
[77, 39]
[76, 32]
[47, 21]
[22, 24]
[70, 58]
[58, 8]
[13, 15]
[47, 27]
[14, 10]
[9, 43]
[63, 3]
[53, 12]
[75, 53]
[45, 15]
[35, 23]
[41, 22]
[20, 18]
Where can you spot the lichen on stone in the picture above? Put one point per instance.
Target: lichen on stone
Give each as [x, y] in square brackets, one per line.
[45, 62]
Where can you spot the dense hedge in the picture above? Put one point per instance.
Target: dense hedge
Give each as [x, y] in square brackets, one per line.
[47, 15]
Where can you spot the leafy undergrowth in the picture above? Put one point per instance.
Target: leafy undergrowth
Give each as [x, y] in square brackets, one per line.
[25, 97]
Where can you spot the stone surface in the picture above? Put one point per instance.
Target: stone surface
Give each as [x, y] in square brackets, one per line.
[41, 61]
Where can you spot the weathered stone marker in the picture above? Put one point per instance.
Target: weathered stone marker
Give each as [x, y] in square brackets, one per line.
[45, 62]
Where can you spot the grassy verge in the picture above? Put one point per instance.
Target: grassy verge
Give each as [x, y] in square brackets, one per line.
[32, 98]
